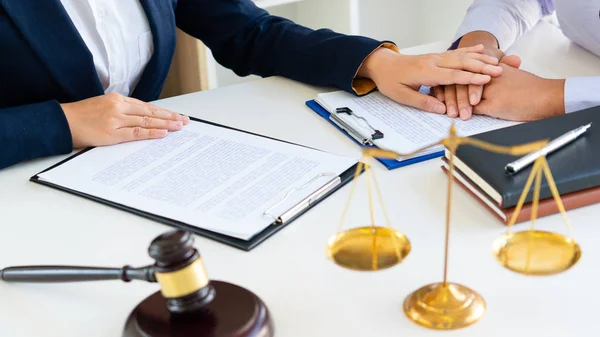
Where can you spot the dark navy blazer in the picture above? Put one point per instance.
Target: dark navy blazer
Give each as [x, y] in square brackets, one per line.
[44, 61]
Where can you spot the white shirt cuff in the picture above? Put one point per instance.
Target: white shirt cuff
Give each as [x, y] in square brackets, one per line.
[488, 19]
[581, 93]
[507, 20]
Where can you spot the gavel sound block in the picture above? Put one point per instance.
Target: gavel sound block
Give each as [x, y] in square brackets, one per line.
[188, 304]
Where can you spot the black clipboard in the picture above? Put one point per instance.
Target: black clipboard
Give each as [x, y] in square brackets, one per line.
[245, 245]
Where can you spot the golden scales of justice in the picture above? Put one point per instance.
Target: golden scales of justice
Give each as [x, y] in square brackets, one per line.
[446, 305]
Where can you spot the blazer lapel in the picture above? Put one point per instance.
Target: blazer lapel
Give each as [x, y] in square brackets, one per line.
[47, 27]
[161, 17]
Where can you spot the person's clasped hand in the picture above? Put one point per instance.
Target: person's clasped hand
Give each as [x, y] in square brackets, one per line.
[459, 98]
[112, 118]
[516, 95]
[521, 96]
[400, 77]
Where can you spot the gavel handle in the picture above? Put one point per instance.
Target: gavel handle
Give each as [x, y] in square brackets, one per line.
[55, 274]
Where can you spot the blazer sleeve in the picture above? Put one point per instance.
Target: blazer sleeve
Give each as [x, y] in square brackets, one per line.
[33, 131]
[248, 40]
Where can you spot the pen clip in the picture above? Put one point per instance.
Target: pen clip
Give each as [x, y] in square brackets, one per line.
[376, 134]
[306, 201]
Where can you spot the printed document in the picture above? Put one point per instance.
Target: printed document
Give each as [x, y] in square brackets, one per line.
[405, 128]
[205, 176]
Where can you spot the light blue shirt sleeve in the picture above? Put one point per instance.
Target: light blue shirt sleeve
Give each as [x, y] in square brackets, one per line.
[581, 93]
[507, 20]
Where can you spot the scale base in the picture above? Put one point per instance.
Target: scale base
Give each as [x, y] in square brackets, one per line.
[442, 306]
[234, 312]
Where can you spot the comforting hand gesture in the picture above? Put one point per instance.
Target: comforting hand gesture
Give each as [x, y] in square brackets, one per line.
[460, 99]
[112, 118]
[516, 95]
[400, 76]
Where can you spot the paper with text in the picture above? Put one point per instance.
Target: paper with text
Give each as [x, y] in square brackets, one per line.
[205, 176]
[405, 128]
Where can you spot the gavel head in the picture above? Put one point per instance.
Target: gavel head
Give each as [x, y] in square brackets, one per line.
[180, 272]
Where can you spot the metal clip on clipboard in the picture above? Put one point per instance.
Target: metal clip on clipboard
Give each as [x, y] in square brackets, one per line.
[306, 202]
[356, 134]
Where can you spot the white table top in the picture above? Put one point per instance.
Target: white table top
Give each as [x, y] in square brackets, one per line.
[307, 294]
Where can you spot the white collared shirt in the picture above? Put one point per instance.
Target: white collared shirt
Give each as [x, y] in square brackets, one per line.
[118, 35]
[579, 21]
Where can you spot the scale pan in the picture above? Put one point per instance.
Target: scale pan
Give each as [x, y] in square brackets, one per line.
[368, 248]
[536, 253]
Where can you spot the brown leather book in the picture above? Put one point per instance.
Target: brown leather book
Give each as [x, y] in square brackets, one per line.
[545, 207]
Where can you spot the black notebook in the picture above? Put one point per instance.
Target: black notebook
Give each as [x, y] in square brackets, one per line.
[575, 167]
[225, 184]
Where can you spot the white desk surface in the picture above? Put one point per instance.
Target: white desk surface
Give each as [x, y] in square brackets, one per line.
[306, 293]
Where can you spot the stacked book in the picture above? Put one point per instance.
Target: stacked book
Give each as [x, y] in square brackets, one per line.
[575, 167]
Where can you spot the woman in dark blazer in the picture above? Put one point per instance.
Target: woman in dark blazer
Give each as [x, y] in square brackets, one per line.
[52, 99]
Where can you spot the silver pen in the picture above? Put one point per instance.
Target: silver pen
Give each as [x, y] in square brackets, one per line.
[554, 145]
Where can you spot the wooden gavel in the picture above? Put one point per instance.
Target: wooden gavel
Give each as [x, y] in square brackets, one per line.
[188, 304]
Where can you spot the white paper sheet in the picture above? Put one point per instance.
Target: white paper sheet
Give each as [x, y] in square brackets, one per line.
[405, 129]
[205, 176]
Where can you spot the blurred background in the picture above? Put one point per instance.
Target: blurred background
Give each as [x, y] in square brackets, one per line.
[405, 22]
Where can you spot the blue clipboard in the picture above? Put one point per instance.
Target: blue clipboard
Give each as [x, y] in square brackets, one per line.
[390, 164]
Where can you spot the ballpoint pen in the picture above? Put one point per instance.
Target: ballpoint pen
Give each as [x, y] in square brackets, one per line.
[554, 145]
